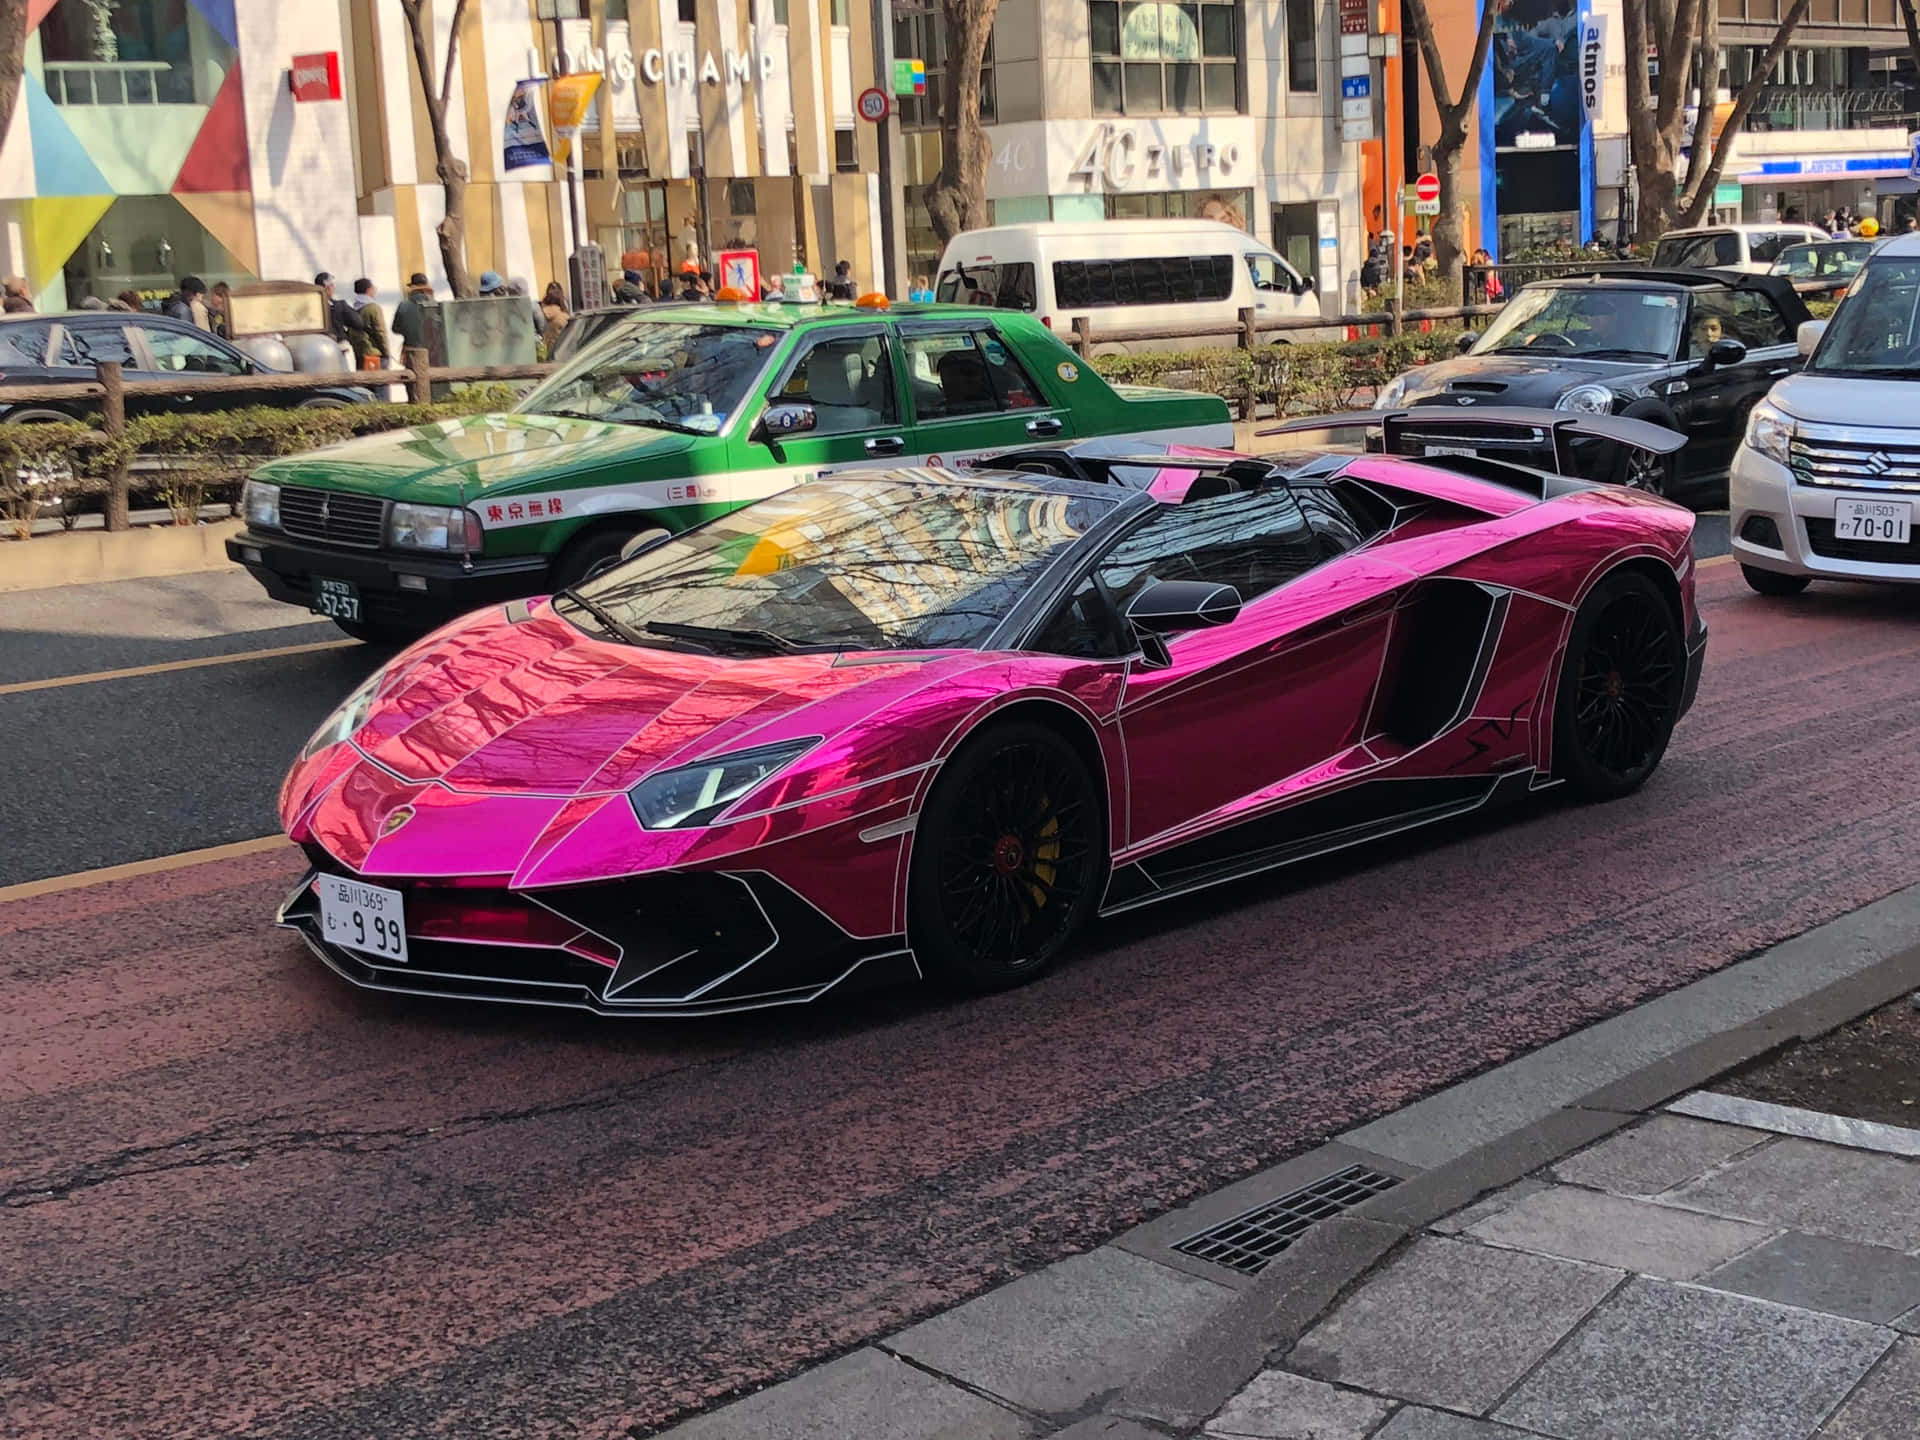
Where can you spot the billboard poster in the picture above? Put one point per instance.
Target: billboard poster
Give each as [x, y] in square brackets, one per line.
[1536, 74]
[524, 143]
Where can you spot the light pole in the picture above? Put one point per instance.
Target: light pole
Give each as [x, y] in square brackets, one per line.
[558, 12]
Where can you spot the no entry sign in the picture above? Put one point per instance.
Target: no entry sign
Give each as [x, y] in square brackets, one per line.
[1426, 195]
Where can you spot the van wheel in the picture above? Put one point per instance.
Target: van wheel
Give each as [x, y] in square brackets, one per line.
[1106, 348]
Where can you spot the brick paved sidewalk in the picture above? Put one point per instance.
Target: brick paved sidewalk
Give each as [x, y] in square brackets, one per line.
[1681, 1280]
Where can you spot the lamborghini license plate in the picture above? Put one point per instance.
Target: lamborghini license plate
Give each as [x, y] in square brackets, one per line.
[363, 917]
[1886, 522]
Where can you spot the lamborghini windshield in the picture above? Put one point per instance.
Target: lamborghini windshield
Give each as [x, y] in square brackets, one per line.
[1607, 322]
[853, 564]
[669, 374]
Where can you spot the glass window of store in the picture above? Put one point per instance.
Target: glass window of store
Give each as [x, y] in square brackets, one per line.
[919, 33]
[1303, 65]
[135, 52]
[1154, 58]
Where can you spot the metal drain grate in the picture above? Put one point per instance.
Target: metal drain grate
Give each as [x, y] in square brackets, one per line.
[1248, 1241]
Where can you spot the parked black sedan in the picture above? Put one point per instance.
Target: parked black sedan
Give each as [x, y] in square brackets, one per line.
[1689, 349]
[47, 349]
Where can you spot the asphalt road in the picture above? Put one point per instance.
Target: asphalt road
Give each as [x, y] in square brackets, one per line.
[241, 1199]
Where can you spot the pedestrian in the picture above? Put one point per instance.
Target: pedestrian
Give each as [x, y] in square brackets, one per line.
[130, 300]
[341, 320]
[17, 301]
[220, 309]
[189, 303]
[553, 312]
[630, 290]
[841, 286]
[369, 339]
[409, 320]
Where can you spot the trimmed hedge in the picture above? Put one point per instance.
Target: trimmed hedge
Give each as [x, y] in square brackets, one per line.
[1314, 377]
[200, 458]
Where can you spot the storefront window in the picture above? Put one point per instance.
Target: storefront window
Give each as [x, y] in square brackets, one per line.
[1152, 57]
[1232, 207]
[146, 243]
[1303, 64]
[920, 34]
[136, 52]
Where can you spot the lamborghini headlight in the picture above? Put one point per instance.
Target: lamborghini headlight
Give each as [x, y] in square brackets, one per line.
[1769, 429]
[695, 794]
[1391, 394]
[1587, 400]
[349, 717]
[261, 505]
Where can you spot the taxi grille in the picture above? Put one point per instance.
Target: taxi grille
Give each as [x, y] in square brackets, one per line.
[1822, 541]
[1857, 460]
[332, 517]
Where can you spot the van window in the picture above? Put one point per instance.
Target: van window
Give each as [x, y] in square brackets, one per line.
[1000, 287]
[1696, 252]
[1174, 280]
[1766, 245]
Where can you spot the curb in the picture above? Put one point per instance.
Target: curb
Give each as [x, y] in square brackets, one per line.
[89, 557]
[1867, 959]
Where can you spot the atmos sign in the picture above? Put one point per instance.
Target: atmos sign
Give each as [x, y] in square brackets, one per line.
[1593, 65]
[1123, 159]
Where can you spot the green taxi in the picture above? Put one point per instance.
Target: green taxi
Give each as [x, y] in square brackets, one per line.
[673, 417]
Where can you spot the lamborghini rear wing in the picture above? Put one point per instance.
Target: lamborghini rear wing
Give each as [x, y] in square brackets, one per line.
[1498, 427]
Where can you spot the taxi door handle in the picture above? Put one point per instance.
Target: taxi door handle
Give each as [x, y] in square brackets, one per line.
[886, 445]
[1045, 426]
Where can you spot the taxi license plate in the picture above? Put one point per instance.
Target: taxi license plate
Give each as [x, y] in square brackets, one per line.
[363, 917]
[336, 599]
[1884, 522]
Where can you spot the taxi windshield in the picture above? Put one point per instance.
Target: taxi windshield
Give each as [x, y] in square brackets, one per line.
[675, 375]
[854, 564]
[1600, 323]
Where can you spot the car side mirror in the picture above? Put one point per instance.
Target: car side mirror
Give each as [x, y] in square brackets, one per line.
[1167, 607]
[1726, 352]
[1807, 337]
[1302, 286]
[1466, 341]
[783, 422]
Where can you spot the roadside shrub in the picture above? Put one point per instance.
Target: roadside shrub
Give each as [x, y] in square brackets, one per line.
[1311, 377]
[55, 463]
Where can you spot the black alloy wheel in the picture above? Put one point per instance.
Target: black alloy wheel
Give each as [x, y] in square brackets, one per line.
[1643, 470]
[1620, 688]
[1007, 858]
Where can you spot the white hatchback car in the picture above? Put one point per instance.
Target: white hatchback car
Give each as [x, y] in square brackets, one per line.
[1826, 480]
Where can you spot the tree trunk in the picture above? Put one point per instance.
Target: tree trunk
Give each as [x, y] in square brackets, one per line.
[1450, 226]
[452, 170]
[957, 198]
[1697, 152]
[13, 54]
[1700, 190]
[1657, 122]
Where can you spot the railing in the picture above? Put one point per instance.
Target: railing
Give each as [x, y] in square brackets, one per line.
[108, 82]
[1248, 329]
[110, 387]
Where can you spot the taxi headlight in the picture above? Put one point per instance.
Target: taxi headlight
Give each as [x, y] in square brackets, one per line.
[434, 527]
[1769, 429]
[261, 505]
[695, 794]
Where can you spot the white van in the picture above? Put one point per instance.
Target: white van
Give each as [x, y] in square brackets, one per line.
[1129, 278]
[1752, 248]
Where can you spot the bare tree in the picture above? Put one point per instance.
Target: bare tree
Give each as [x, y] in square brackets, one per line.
[1701, 179]
[957, 198]
[13, 57]
[451, 169]
[1450, 225]
[1657, 118]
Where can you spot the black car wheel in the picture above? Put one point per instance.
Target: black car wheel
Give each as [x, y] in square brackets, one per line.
[1643, 470]
[1772, 582]
[1007, 858]
[589, 555]
[1620, 688]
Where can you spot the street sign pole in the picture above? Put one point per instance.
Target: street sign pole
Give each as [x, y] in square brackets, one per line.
[883, 131]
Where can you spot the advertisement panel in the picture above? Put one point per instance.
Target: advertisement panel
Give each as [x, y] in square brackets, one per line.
[523, 142]
[1536, 75]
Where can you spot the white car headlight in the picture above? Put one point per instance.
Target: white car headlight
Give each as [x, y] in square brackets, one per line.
[1391, 394]
[1769, 428]
[1587, 400]
[694, 794]
[434, 527]
[347, 718]
[261, 504]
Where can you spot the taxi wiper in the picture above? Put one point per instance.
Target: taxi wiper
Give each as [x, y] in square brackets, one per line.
[603, 615]
[719, 634]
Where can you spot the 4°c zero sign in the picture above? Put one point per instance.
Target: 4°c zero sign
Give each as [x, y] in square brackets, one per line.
[873, 105]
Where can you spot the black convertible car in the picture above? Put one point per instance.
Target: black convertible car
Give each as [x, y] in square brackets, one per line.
[1692, 350]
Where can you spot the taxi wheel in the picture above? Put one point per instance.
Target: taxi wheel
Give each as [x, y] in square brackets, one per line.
[372, 632]
[587, 554]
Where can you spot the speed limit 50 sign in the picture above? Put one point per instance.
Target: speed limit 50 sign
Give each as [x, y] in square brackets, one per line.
[873, 105]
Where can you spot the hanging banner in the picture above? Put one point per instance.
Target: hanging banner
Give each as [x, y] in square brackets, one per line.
[524, 144]
[571, 97]
[1593, 66]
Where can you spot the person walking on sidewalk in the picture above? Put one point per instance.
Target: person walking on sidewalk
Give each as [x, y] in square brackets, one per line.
[369, 337]
[409, 320]
[553, 314]
[189, 303]
[17, 301]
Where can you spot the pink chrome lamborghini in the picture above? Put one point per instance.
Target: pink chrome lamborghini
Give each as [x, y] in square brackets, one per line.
[899, 724]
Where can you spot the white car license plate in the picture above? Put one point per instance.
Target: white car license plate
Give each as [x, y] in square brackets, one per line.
[1886, 522]
[1448, 450]
[336, 599]
[363, 917]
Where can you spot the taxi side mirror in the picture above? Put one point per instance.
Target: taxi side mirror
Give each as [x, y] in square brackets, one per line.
[783, 422]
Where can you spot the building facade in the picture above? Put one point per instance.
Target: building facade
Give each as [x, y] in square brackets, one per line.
[1122, 109]
[255, 139]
